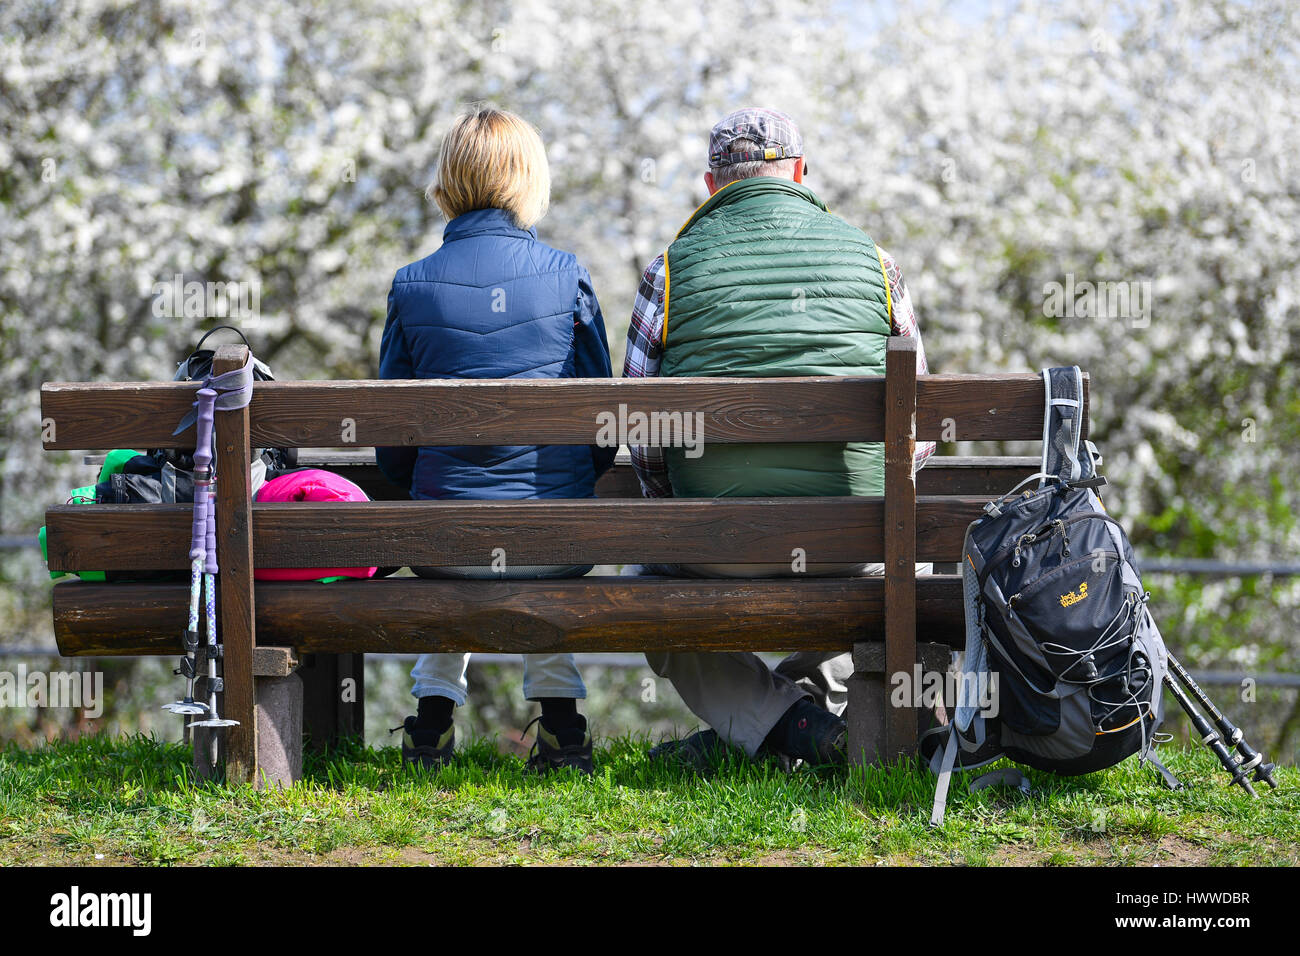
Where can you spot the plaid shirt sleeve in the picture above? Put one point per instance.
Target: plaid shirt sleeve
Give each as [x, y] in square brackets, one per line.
[904, 321]
[645, 352]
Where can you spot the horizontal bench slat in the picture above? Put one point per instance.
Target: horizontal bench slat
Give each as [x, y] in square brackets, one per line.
[443, 533]
[404, 615]
[468, 412]
[536, 411]
[984, 407]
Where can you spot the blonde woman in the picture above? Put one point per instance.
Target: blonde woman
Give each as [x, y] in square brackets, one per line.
[495, 302]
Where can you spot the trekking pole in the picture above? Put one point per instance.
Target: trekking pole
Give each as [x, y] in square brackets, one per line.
[190, 641]
[1209, 737]
[1248, 758]
[198, 531]
[207, 492]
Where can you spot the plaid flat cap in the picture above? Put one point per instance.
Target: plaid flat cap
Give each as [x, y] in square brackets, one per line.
[774, 131]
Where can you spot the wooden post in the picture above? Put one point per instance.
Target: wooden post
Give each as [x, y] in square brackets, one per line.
[900, 539]
[279, 716]
[235, 560]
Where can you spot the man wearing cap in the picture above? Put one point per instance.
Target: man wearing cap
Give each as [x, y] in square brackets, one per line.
[762, 282]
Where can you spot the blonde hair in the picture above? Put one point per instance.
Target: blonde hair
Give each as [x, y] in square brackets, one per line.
[492, 159]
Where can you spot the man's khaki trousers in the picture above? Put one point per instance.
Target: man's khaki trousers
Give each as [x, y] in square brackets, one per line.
[737, 693]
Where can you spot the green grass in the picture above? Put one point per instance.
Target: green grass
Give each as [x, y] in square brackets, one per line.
[133, 800]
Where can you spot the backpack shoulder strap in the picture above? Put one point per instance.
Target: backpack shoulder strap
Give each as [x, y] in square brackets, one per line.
[975, 656]
[1006, 777]
[956, 752]
[1167, 777]
[941, 765]
[1062, 426]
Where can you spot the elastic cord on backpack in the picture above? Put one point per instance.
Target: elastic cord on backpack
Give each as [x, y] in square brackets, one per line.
[1143, 707]
[1114, 635]
[1109, 637]
[1042, 475]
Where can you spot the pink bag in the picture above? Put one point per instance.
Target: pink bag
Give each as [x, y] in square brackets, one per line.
[310, 484]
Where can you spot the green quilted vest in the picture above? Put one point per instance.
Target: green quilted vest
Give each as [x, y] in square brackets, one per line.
[763, 282]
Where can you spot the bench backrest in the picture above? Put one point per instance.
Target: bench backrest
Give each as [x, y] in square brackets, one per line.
[610, 530]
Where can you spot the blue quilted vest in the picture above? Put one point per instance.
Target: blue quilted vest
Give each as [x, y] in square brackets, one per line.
[492, 302]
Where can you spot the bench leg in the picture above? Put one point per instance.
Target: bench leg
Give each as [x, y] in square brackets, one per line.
[869, 693]
[865, 716]
[279, 731]
[333, 698]
[277, 696]
[279, 735]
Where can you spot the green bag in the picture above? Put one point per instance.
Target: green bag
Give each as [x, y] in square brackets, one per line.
[113, 463]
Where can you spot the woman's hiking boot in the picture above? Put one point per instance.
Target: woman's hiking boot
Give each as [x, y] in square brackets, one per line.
[425, 747]
[568, 746]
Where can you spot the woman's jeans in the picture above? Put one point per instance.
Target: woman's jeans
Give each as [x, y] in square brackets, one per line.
[545, 675]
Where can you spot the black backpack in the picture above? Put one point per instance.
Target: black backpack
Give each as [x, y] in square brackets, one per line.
[196, 367]
[166, 475]
[1063, 667]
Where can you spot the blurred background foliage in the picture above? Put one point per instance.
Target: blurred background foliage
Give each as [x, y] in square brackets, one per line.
[992, 148]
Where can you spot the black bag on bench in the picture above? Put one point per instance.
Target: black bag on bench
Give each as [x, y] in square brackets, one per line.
[166, 475]
[196, 367]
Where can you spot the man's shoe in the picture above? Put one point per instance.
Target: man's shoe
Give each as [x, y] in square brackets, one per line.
[568, 747]
[701, 751]
[428, 749]
[807, 732]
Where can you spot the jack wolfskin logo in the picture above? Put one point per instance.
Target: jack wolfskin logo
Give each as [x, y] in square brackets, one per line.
[1074, 597]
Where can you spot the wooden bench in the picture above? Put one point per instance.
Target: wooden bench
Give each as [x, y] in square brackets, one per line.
[268, 627]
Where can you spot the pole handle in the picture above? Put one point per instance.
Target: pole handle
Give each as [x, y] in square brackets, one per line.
[207, 400]
[210, 535]
[198, 524]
